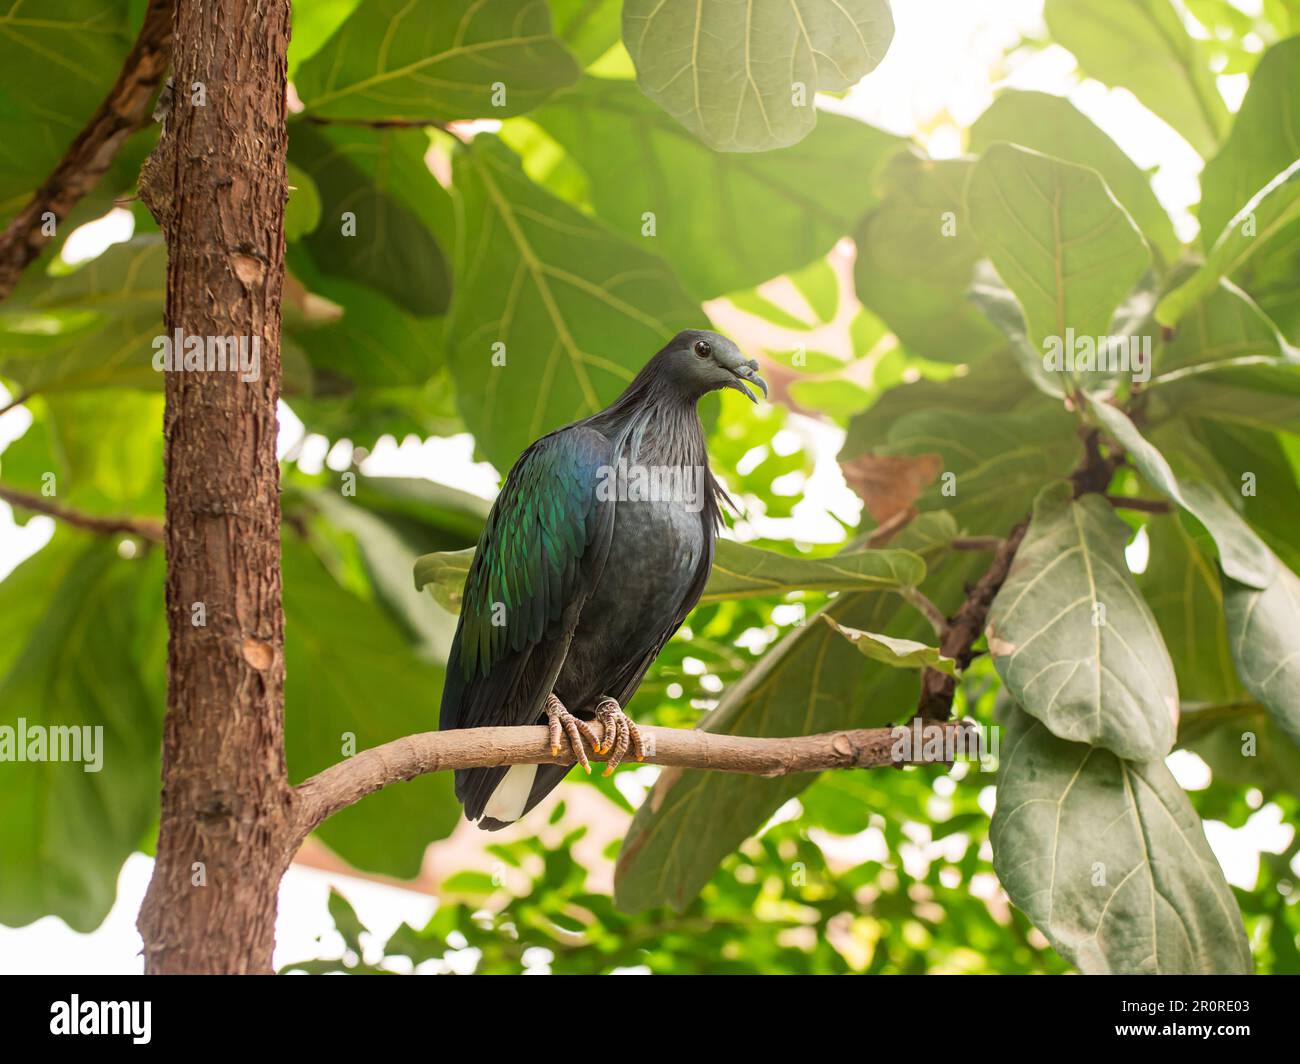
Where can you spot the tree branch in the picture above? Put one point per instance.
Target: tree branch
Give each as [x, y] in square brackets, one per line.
[135, 526]
[1130, 502]
[124, 110]
[1093, 474]
[339, 786]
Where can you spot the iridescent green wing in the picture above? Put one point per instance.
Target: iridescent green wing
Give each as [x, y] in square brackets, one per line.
[546, 533]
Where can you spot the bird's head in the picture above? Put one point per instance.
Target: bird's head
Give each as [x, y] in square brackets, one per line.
[698, 361]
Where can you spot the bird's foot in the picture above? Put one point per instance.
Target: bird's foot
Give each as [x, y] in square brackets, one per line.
[618, 733]
[560, 720]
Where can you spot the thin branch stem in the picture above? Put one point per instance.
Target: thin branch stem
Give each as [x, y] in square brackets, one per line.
[1131, 502]
[977, 543]
[340, 785]
[917, 598]
[135, 526]
[124, 110]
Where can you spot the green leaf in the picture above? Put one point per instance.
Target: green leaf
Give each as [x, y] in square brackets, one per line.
[1054, 126]
[375, 342]
[1268, 212]
[302, 211]
[1241, 553]
[92, 328]
[1069, 252]
[394, 60]
[916, 258]
[1262, 627]
[389, 559]
[1108, 859]
[58, 60]
[1073, 640]
[739, 571]
[897, 653]
[71, 620]
[380, 207]
[1181, 586]
[578, 309]
[639, 160]
[742, 77]
[1141, 45]
[992, 466]
[812, 680]
[1264, 141]
[1228, 330]
[352, 682]
[588, 28]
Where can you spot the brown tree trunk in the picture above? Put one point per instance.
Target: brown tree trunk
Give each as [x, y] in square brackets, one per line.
[217, 186]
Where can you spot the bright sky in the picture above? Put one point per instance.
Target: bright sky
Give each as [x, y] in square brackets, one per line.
[940, 73]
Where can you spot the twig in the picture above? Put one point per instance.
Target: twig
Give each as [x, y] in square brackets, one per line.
[135, 526]
[965, 627]
[915, 597]
[17, 401]
[1130, 502]
[888, 529]
[979, 543]
[124, 110]
[1093, 474]
[349, 781]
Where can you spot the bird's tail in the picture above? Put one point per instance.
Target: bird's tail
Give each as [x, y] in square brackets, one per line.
[497, 797]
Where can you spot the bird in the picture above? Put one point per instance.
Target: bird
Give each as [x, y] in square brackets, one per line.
[598, 545]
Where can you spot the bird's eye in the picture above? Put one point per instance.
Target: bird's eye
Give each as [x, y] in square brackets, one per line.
[703, 348]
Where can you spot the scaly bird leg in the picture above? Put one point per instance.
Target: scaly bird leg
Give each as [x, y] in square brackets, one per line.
[557, 717]
[617, 734]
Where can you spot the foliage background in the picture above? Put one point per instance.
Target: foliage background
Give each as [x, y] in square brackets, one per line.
[525, 224]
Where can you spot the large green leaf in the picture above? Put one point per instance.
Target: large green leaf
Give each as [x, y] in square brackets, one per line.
[350, 673]
[1141, 45]
[1265, 140]
[813, 680]
[1227, 330]
[373, 343]
[1269, 211]
[1054, 126]
[588, 28]
[741, 77]
[1264, 632]
[1181, 586]
[437, 62]
[739, 571]
[378, 179]
[992, 466]
[704, 204]
[916, 259]
[1073, 640]
[1059, 240]
[72, 620]
[1108, 858]
[1241, 553]
[92, 328]
[578, 309]
[58, 59]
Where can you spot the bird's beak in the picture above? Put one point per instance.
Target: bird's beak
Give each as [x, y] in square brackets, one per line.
[748, 371]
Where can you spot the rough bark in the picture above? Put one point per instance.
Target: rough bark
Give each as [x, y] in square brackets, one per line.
[217, 185]
[124, 110]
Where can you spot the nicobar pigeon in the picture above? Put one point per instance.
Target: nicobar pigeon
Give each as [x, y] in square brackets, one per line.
[585, 569]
